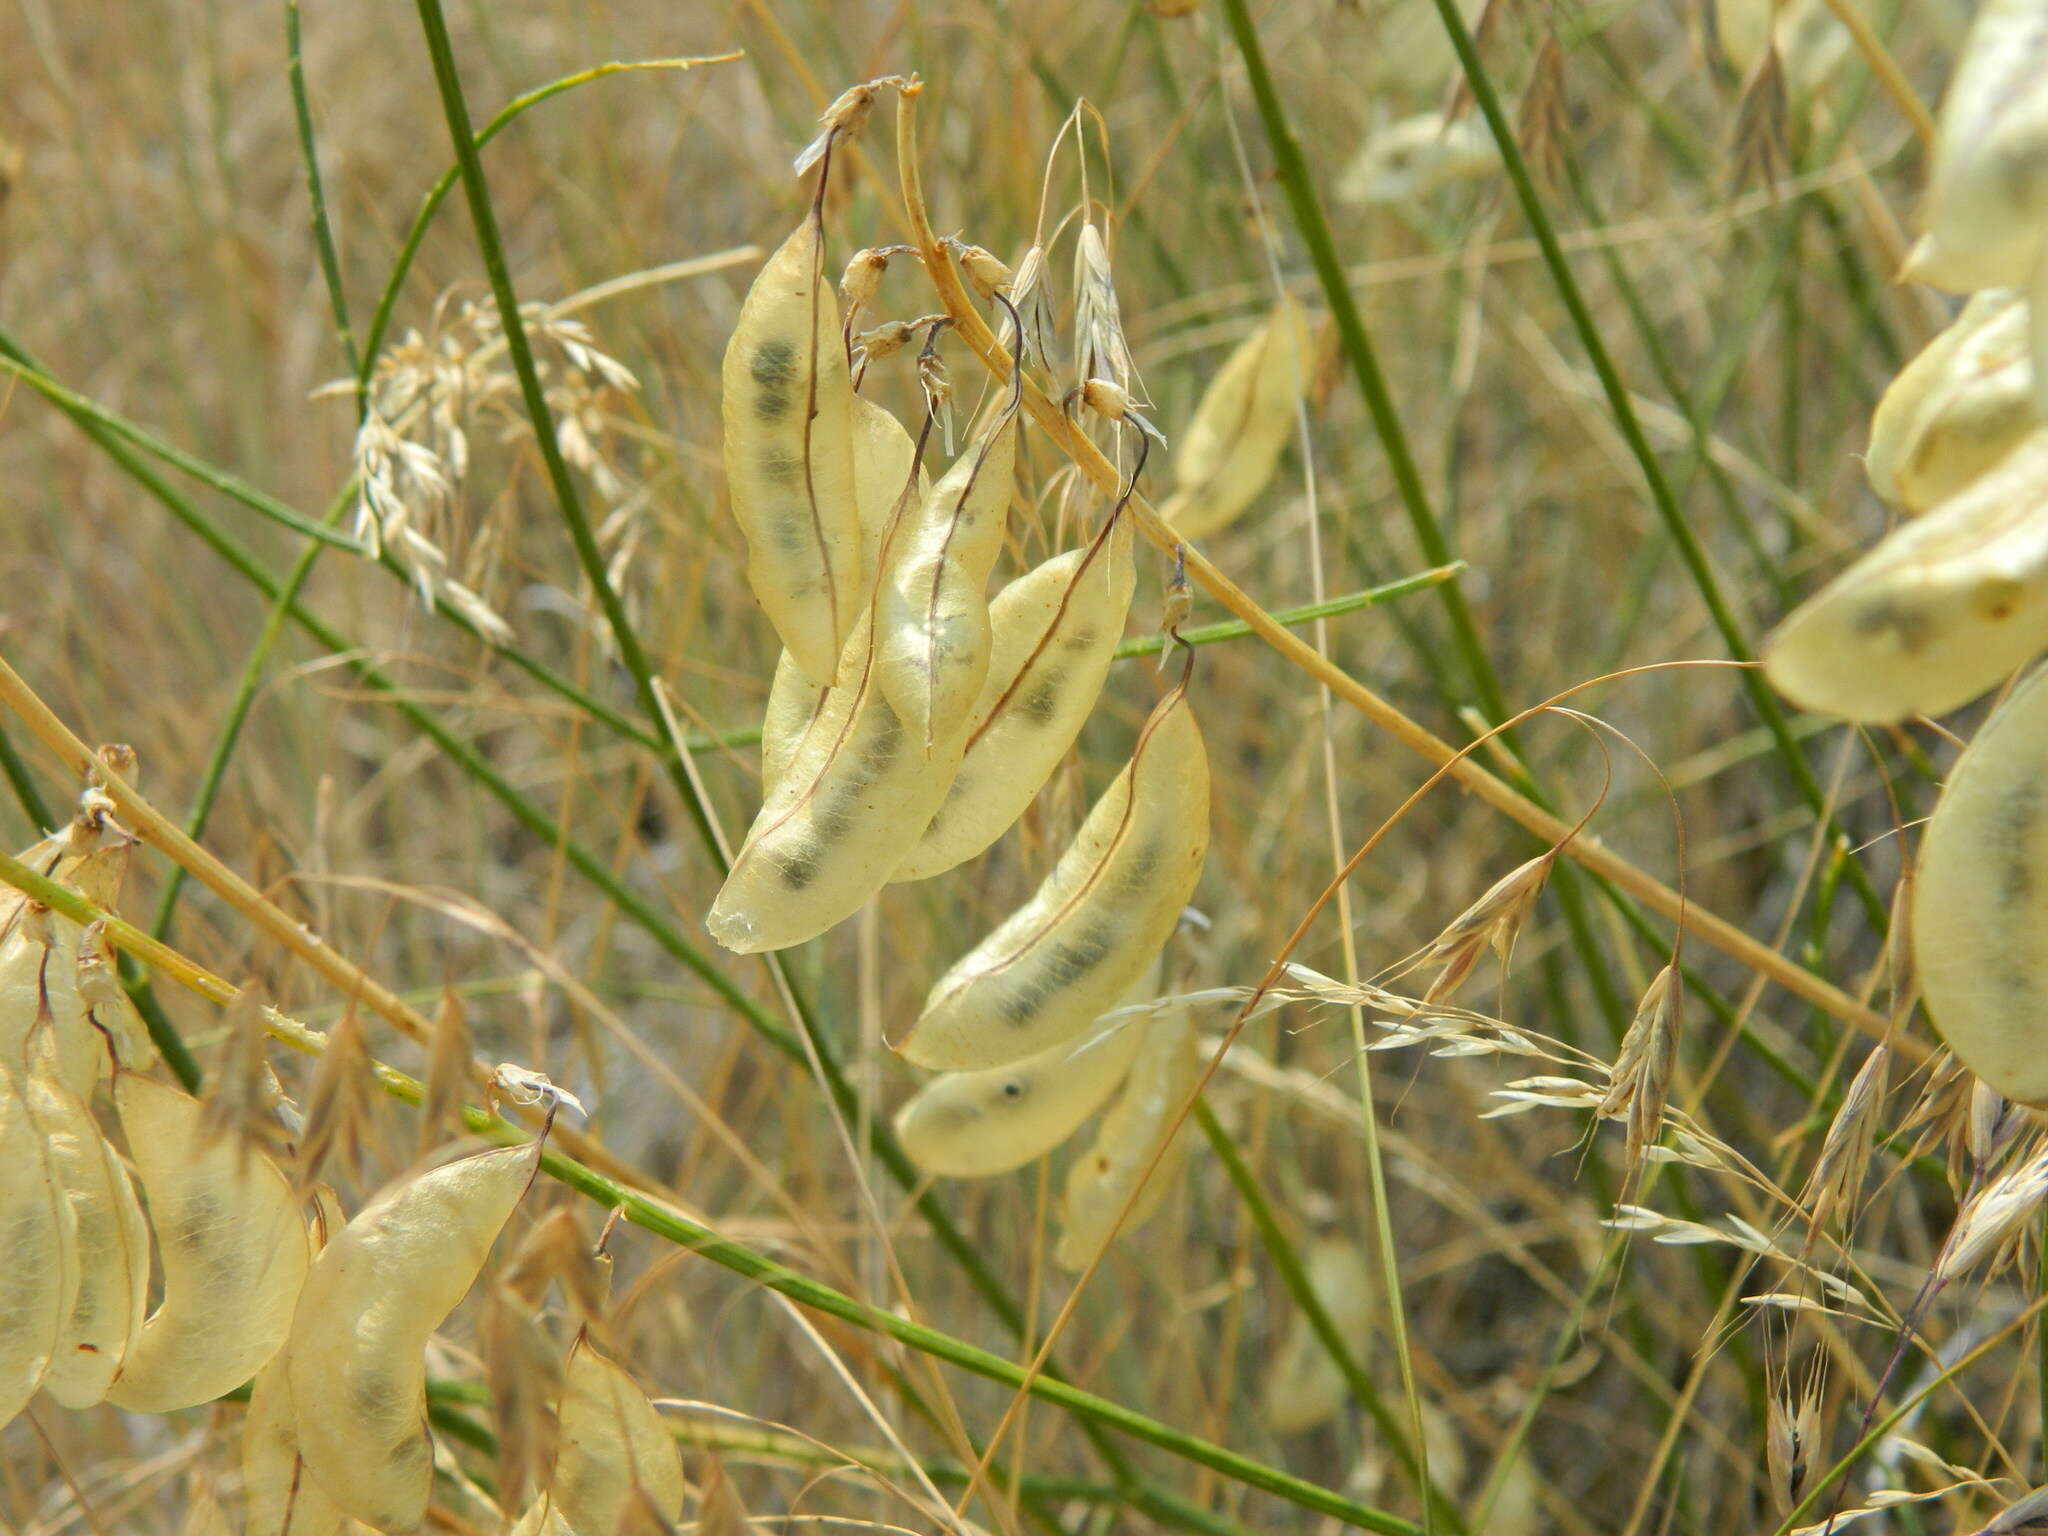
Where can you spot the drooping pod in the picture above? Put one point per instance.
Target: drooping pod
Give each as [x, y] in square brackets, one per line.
[1417, 156]
[1055, 633]
[1980, 901]
[39, 966]
[856, 789]
[788, 412]
[969, 1125]
[1160, 1081]
[280, 1497]
[1228, 453]
[38, 1238]
[356, 1355]
[1099, 918]
[1944, 608]
[1956, 409]
[231, 1246]
[1305, 1388]
[613, 1443]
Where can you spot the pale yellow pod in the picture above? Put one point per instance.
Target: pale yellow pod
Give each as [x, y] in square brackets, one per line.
[612, 1441]
[1161, 1078]
[1099, 918]
[1962, 404]
[788, 412]
[1304, 1388]
[969, 1125]
[1944, 608]
[854, 793]
[883, 455]
[112, 1239]
[39, 962]
[231, 1245]
[793, 700]
[281, 1498]
[356, 1356]
[1055, 632]
[1410, 159]
[38, 1252]
[1228, 453]
[1980, 902]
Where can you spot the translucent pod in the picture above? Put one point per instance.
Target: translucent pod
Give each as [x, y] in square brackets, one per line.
[1945, 607]
[1956, 409]
[1161, 1079]
[1305, 1388]
[793, 700]
[613, 1441]
[39, 964]
[1228, 453]
[38, 1238]
[968, 1125]
[856, 790]
[356, 1357]
[1100, 917]
[1055, 631]
[231, 1245]
[112, 1239]
[281, 1497]
[1408, 160]
[789, 454]
[933, 634]
[1980, 942]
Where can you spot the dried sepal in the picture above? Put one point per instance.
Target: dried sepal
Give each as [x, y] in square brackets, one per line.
[846, 116]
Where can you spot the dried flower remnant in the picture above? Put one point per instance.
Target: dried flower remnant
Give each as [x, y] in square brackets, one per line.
[847, 115]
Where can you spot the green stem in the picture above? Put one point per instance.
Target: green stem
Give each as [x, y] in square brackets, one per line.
[323, 231]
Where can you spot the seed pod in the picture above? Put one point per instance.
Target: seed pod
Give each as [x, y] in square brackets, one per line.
[1098, 1185]
[1944, 608]
[1956, 409]
[968, 1125]
[281, 1498]
[1980, 945]
[1305, 1388]
[932, 636]
[1055, 633]
[854, 791]
[789, 454]
[38, 1238]
[231, 1245]
[613, 1444]
[793, 700]
[112, 1240]
[356, 1355]
[1096, 922]
[1229, 451]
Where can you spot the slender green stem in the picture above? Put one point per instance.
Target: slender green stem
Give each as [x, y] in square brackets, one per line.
[1237, 629]
[24, 786]
[316, 196]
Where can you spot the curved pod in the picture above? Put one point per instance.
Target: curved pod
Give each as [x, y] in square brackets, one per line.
[38, 1236]
[1305, 1388]
[281, 1498]
[1228, 453]
[1100, 917]
[356, 1356]
[1098, 1186]
[612, 1442]
[1956, 409]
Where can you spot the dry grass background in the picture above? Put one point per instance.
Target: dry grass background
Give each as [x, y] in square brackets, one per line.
[155, 253]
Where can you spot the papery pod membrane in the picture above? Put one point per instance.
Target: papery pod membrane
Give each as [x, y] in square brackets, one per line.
[281, 1497]
[793, 700]
[1228, 453]
[1956, 409]
[542, 1519]
[33, 971]
[933, 633]
[1305, 1388]
[788, 412]
[38, 1252]
[231, 1245]
[356, 1355]
[1946, 607]
[1161, 1079]
[1980, 901]
[1096, 922]
[1417, 156]
[966, 1125]
[612, 1441]
[1055, 633]
[112, 1243]
[856, 790]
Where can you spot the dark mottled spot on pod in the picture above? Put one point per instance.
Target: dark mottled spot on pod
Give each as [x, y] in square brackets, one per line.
[1040, 701]
[797, 869]
[1013, 1089]
[774, 370]
[1908, 626]
[1996, 597]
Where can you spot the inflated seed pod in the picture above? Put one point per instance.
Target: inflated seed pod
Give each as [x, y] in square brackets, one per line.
[1096, 922]
[1417, 156]
[1980, 941]
[1228, 453]
[281, 1498]
[356, 1357]
[1944, 608]
[231, 1245]
[39, 971]
[789, 454]
[612, 1442]
[968, 1125]
[1304, 1387]
[855, 791]
[1956, 409]
[112, 1240]
[793, 700]
[1161, 1079]
[38, 1251]
[1055, 631]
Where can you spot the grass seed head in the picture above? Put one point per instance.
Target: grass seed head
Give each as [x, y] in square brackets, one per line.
[1641, 1077]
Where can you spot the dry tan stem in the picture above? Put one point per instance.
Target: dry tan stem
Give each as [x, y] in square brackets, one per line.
[1586, 850]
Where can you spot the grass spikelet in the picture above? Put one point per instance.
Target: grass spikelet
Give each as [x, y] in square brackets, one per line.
[337, 1107]
[451, 1064]
[1494, 921]
[1543, 121]
[1640, 1080]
